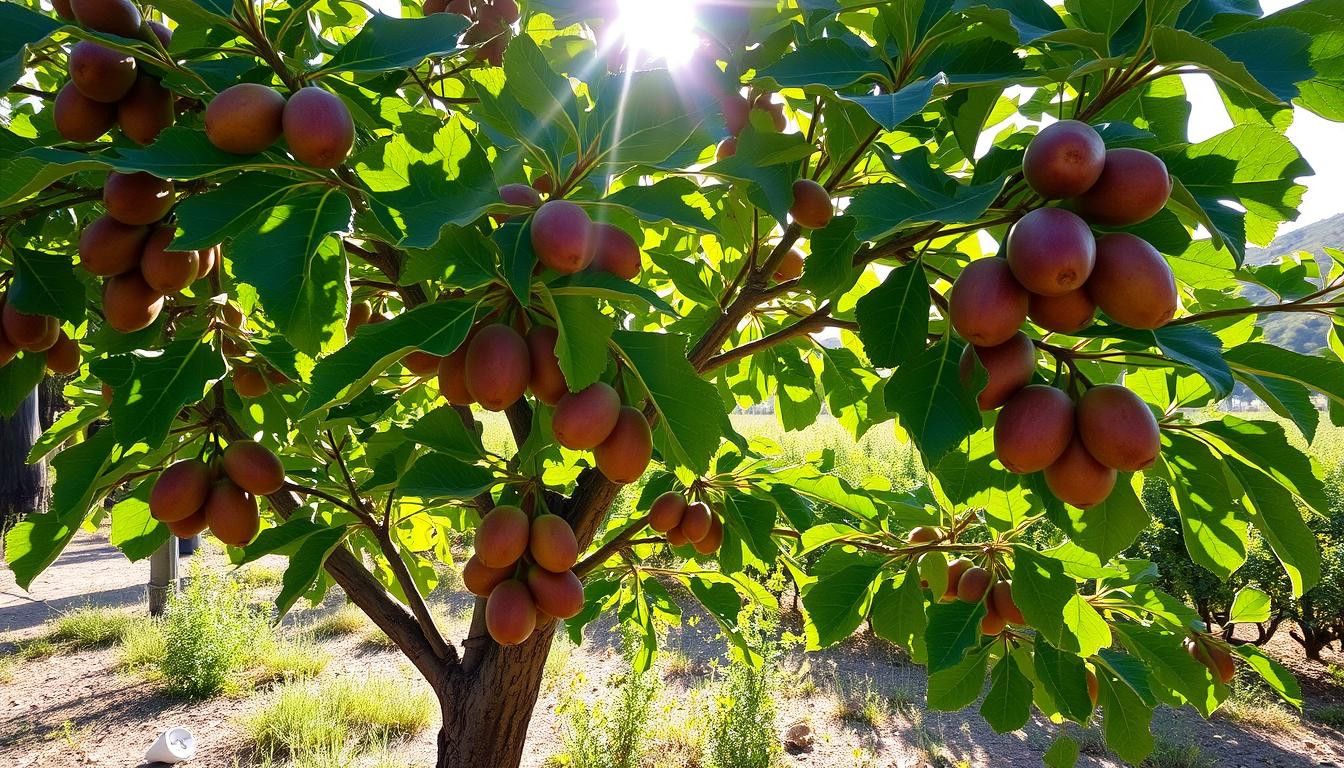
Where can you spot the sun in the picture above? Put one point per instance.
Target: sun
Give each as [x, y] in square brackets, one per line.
[658, 29]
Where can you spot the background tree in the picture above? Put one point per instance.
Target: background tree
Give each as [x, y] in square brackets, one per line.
[274, 238]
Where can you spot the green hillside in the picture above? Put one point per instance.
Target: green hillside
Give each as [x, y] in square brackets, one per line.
[1299, 332]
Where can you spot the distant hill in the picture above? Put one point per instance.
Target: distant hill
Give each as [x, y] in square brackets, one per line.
[1300, 332]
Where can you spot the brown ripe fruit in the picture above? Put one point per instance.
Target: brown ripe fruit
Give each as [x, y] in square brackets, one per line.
[107, 247]
[503, 536]
[556, 594]
[1132, 188]
[106, 392]
[115, 17]
[552, 544]
[504, 10]
[516, 194]
[973, 585]
[422, 363]
[137, 198]
[548, 381]
[1034, 428]
[480, 579]
[63, 9]
[726, 149]
[666, 511]
[1064, 159]
[510, 613]
[627, 451]
[923, 534]
[1009, 366]
[254, 467]
[812, 206]
[101, 73]
[433, 6]
[30, 333]
[1132, 282]
[453, 379]
[146, 110]
[1001, 597]
[1223, 667]
[231, 514]
[360, 313]
[1092, 687]
[318, 127]
[955, 570]
[190, 526]
[498, 367]
[63, 357]
[736, 111]
[162, 32]
[1118, 428]
[1066, 313]
[992, 624]
[676, 538]
[179, 491]
[7, 350]
[713, 540]
[168, 271]
[614, 251]
[987, 305]
[245, 119]
[696, 521]
[560, 234]
[249, 382]
[79, 118]
[1051, 251]
[791, 268]
[1079, 479]
[210, 259]
[584, 419]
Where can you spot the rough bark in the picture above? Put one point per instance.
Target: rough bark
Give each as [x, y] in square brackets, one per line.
[24, 487]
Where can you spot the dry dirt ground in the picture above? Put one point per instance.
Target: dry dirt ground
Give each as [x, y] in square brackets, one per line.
[76, 709]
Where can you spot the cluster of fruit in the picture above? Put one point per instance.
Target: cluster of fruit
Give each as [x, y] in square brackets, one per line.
[492, 27]
[1213, 656]
[1057, 273]
[108, 87]
[686, 522]
[20, 332]
[737, 110]
[248, 118]
[523, 567]
[566, 240]
[191, 495]
[129, 247]
[252, 376]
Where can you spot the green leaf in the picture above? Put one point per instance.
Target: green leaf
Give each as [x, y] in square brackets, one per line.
[1272, 672]
[829, 270]
[427, 182]
[19, 378]
[1007, 706]
[1275, 515]
[585, 333]
[894, 317]
[1064, 677]
[388, 42]
[605, 285]
[646, 116]
[1216, 531]
[134, 531]
[829, 62]
[719, 596]
[284, 539]
[892, 109]
[1249, 606]
[437, 328]
[898, 616]
[207, 11]
[1175, 669]
[770, 163]
[209, 218]
[180, 153]
[1199, 349]
[305, 564]
[463, 258]
[1176, 47]
[1323, 374]
[1044, 593]
[1102, 16]
[1264, 444]
[670, 200]
[28, 172]
[838, 602]
[442, 476]
[1108, 528]
[958, 686]
[301, 275]
[536, 86]
[1063, 752]
[149, 388]
[752, 518]
[684, 435]
[882, 209]
[45, 284]
[443, 430]
[21, 28]
[1127, 723]
[927, 396]
[953, 628]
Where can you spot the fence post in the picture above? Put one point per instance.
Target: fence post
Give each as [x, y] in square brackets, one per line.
[162, 576]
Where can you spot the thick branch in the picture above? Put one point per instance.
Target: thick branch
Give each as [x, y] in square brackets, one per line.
[1259, 309]
[611, 547]
[814, 322]
[414, 599]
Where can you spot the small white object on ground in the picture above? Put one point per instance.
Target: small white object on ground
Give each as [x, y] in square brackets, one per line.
[175, 745]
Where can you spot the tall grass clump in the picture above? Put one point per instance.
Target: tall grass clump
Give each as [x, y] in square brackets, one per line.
[208, 632]
[741, 729]
[91, 627]
[615, 734]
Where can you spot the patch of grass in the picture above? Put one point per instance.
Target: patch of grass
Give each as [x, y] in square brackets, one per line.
[91, 627]
[209, 634]
[1169, 755]
[676, 664]
[143, 646]
[346, 620]
[259, 576]
[9, 664]
[859, 703]
[1255, 708]
[1332, 716]
[1336, 674]
[557, 662]
[37, 648]
[337, 719]
[611, 735]
[677, 736]
[375, 638]
[929, 740]
[288, 659]
[741, 729]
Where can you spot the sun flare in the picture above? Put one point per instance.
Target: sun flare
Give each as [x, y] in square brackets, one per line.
[656, 29]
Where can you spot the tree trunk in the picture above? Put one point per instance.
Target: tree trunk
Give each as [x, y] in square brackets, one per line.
[486, 711]
[24, 487]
